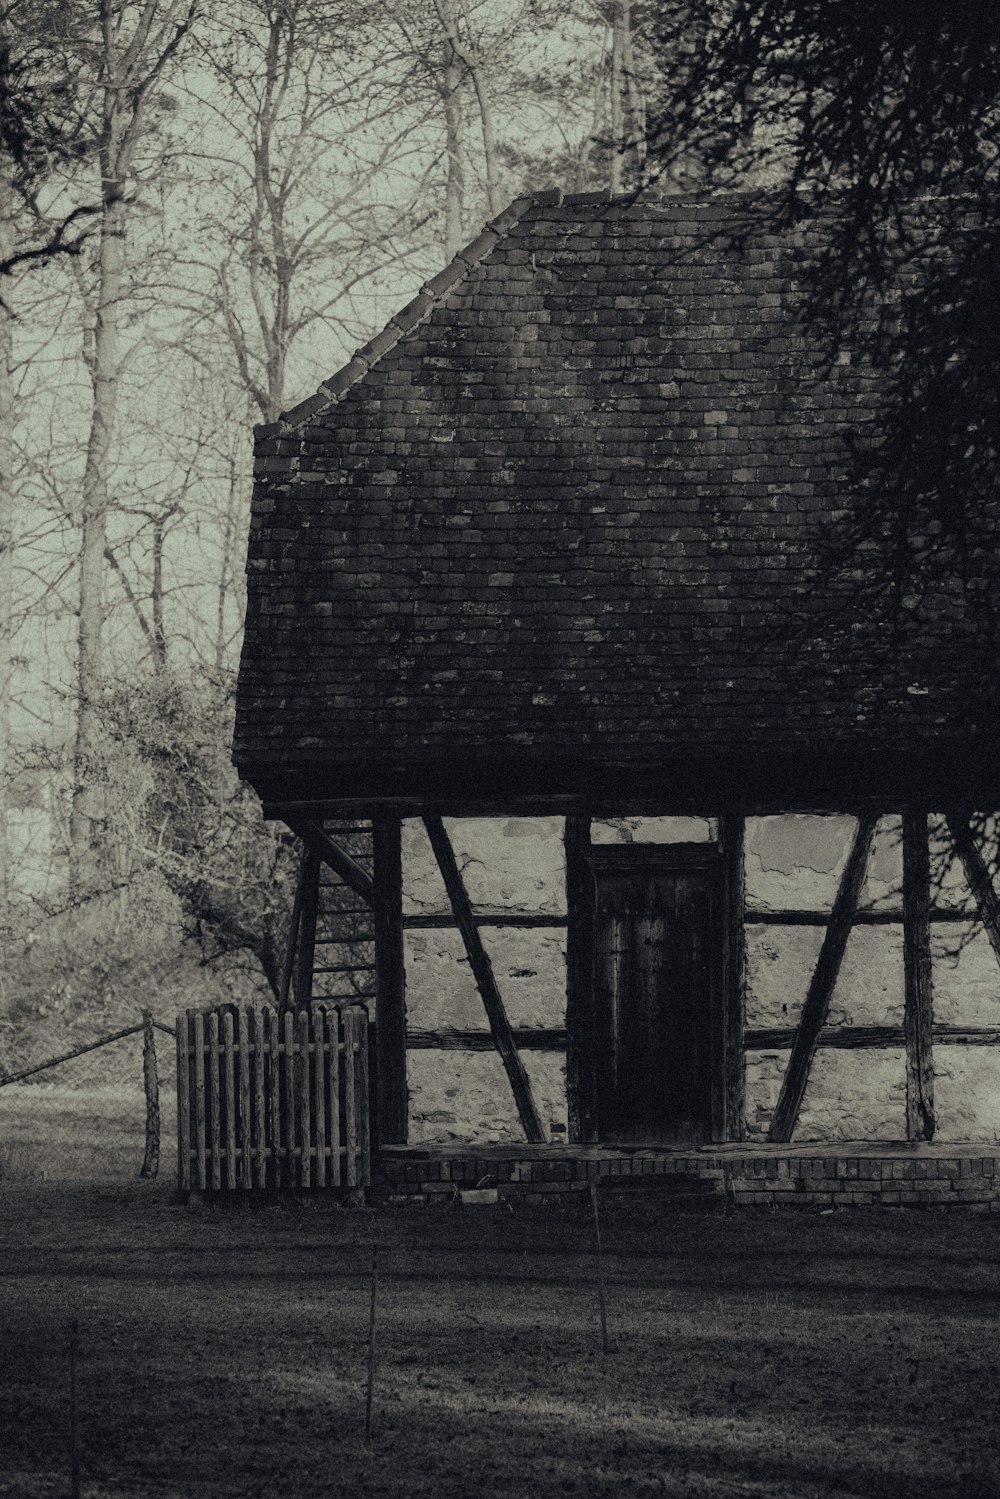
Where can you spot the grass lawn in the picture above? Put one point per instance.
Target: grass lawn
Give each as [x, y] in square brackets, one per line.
[754, 1353]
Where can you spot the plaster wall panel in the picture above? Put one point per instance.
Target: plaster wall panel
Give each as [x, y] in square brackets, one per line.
[794, 861]
[764, 1071]
[851, 1095]
[530, 969]
[966, 1093]
[883, 886]
[951, 888]
[780, 965]
[855, 1095]
[654, 830]
[515, 863]
[465, 1096]
[966, 976]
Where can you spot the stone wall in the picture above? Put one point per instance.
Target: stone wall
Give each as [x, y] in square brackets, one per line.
[793, 863]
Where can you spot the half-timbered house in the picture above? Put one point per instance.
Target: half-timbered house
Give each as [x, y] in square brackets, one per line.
[624, 796]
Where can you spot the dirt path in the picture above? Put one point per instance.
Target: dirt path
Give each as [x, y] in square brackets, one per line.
[224, 1351]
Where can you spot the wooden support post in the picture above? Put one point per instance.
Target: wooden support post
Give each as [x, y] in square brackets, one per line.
[306, 956]
[288, 966]
[338, 859]
[978, 876]
[581, 1084]
[485, 981]
[183, 1103]
[731, 834]
[390, 981]
[151, 1087]
[817, 1002]
[918, 1014]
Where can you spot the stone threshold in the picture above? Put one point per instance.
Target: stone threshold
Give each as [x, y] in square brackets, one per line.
[521, 1150]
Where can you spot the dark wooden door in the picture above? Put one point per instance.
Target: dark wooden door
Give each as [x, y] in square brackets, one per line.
[655, 986]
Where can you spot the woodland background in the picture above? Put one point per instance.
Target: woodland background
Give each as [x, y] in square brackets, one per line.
[206, 207]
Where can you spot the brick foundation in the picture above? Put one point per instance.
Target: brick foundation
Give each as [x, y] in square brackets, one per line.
[846, 1176]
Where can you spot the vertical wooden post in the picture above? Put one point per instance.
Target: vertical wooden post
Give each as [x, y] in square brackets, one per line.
[288, 966]
[151, 1087]
[74, 1422]
[183, 1102]
[198, 1043]
[215, 1098]
[245, 1151]
[918, 1015]
[732, 829]
[390, 981]
[580, 1061]
[306, 955]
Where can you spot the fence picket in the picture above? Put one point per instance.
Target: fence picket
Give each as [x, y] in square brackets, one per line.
[229, 1096]
[333, 1079]
[290, 1090]
[199, 1096]
[319, 1092]
[274, 1041]
[215, 1100]
[288, 1101]
[245, 1146]
[350, 1097]
[364, 1133]
[183, 1104]
[257, 1022]
[305, 1169]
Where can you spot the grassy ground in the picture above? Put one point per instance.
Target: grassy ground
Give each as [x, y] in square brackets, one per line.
[224, 1350]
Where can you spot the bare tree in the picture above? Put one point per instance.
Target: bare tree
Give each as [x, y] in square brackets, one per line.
[127, 69]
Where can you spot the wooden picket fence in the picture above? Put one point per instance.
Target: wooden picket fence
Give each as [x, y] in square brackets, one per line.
[268, 1101]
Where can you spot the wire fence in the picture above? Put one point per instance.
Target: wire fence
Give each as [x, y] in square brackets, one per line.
[97, 1108]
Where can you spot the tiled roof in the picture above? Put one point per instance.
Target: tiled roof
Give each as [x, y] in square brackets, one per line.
[564, 508]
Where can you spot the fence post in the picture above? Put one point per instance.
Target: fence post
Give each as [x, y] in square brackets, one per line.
[151, 1085]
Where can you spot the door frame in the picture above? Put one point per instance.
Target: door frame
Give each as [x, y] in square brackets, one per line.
[585, 861]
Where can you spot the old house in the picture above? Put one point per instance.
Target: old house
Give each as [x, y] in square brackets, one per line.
[539, 612]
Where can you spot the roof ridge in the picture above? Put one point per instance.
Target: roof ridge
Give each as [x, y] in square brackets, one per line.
[436, 288]
[419, 308]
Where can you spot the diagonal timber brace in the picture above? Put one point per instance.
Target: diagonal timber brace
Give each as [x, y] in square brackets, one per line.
[503, 1038]
[338, 859]
[978, 876]
[817, 1002]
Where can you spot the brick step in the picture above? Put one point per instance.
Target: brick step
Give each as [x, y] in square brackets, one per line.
[667, 1184]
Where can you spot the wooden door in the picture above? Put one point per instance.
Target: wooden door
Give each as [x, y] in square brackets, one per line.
[656, 967]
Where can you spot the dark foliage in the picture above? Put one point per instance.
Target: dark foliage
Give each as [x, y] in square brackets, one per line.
[41, 123]
[881, 117]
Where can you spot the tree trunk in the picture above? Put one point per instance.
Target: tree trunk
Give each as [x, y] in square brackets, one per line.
[156, 601]
[619, 34]
[85, 817]
[6, 535]
[454, 124]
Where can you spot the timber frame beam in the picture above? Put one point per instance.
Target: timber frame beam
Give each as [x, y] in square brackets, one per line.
[918, 995]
